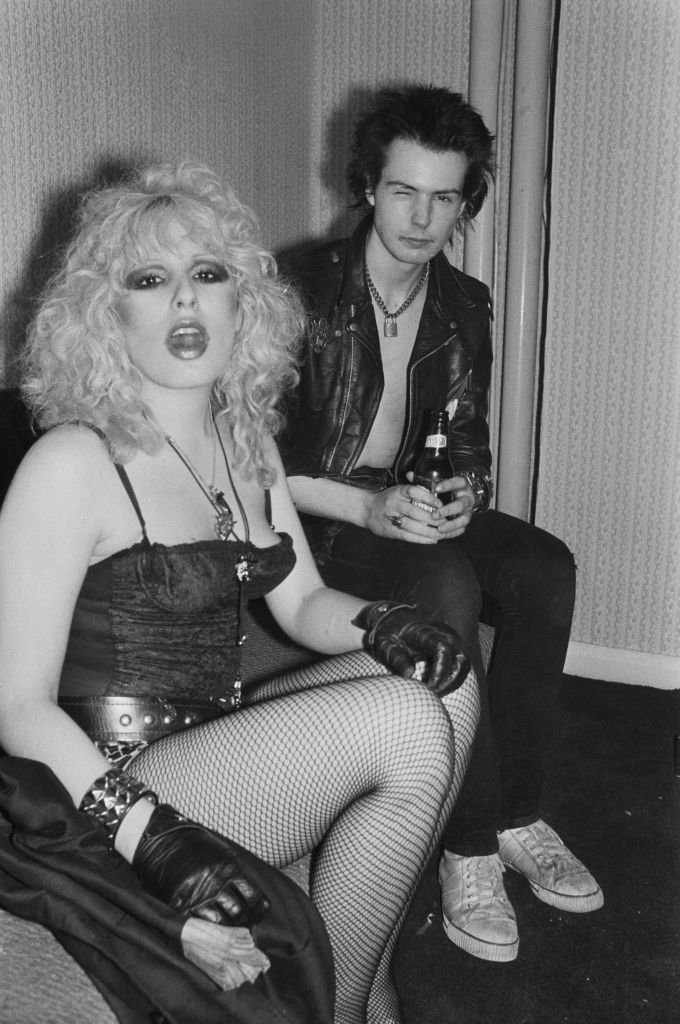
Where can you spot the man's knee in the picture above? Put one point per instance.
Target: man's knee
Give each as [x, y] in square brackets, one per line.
[445, 582]
[552, 563]
[547, 570]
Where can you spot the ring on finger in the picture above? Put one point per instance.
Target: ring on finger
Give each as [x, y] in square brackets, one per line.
[421, 504]
[396, 518]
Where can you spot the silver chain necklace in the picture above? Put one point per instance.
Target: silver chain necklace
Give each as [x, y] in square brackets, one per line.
[390, 329]
[224, 517]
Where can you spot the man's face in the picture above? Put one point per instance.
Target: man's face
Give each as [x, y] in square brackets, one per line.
[417, 200]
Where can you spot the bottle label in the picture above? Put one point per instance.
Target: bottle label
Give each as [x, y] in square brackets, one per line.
[436, 441]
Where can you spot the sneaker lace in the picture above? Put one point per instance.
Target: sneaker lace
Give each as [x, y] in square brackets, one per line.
[483, 880]
[547, 847]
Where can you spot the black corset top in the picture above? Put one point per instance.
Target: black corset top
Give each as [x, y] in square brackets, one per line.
[165, 620]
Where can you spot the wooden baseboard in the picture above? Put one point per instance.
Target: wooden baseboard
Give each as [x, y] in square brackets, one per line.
[608, 663]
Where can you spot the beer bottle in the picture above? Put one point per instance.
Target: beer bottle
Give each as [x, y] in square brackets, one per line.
[434, 464]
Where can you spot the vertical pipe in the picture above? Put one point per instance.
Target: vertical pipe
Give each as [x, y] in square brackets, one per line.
[486, 46]
[524, 258]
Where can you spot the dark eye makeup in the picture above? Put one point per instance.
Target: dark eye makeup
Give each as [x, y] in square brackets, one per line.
[210, 272]
[205, 272]
[139, 279]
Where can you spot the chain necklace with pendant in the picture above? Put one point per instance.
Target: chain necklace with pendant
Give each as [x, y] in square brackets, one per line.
[224, 530]
[224, 517]
[390, 329]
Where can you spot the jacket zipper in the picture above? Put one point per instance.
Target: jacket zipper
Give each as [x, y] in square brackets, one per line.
[355, 340]
[343, 418]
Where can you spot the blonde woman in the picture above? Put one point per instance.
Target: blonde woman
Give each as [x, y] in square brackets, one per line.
[136, 529]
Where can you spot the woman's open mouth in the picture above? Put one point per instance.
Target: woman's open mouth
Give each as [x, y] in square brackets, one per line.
[188, 340]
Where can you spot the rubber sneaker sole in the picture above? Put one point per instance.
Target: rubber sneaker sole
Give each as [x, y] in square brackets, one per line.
[573, 904]
[537, 852]
[499, 953]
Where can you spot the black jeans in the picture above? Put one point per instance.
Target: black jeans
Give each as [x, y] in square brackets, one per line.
[518, 579]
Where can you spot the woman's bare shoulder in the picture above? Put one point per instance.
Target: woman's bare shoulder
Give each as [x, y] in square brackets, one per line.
[70, 441]
[69, 456]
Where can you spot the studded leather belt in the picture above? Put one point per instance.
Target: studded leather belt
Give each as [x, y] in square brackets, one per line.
[117, 719]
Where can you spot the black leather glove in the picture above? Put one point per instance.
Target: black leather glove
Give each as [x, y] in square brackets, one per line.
[196, 871]
[400, 635]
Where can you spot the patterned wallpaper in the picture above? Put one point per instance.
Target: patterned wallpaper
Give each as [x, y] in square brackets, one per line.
[91, 86]
[610, 443]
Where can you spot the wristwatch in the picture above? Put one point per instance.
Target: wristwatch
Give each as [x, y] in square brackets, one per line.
[482, 487]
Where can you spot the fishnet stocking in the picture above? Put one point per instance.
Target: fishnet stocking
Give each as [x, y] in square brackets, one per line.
[356, 771]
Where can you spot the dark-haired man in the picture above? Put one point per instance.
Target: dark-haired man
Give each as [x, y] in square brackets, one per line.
[395, 331]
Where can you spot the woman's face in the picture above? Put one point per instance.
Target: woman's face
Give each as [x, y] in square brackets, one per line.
[179, 315]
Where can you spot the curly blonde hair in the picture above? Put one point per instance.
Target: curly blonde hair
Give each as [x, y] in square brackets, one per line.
[76, 366]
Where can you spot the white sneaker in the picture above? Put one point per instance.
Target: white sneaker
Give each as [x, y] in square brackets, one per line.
[478, 916]
[554, 874]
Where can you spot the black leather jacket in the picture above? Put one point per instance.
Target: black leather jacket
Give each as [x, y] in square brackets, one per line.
[341, 383]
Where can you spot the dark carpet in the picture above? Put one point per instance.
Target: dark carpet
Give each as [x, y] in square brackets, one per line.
[613, 794]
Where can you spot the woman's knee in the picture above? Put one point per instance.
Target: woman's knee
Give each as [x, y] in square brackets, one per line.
[414, 727]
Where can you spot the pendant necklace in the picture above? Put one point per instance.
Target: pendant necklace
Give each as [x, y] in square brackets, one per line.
[390, 329]
[224, 517]
[224, 530]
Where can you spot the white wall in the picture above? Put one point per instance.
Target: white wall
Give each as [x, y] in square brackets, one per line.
[89, 84]
[609, 479]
